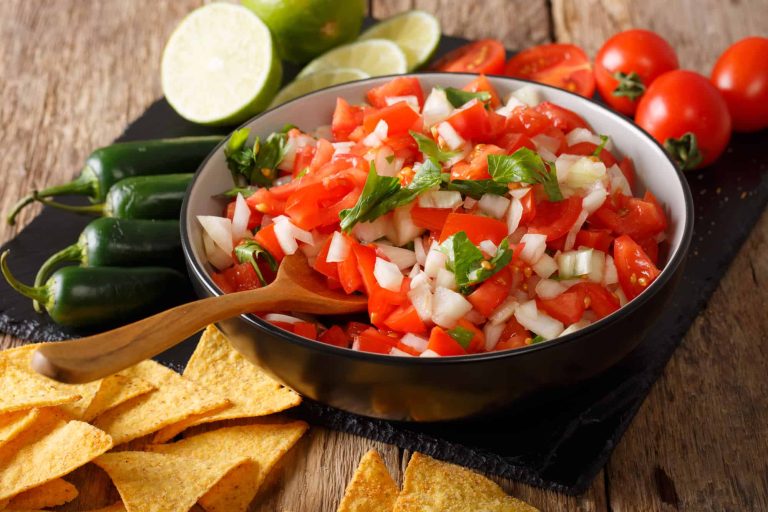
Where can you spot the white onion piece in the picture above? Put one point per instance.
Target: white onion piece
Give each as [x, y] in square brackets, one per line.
[429, 353]
[435, 261]
[475, 317]
[437, 108]
[387, 275]
[570, 238]
[449, 307]
[394, 351]
[595, 198]
[545, 142]
[519, 193]
[492, 333]
[528, 94]
[538, 322]
[545, 267]
[405, 229]
[514, 215]
[342, 148]
[582, 135]
[422, 299]
[219, 229]
[446, 279]
[368, 232]
[415, 271]
[469, 202]
[378, 134]
[403, 258]
[574, 263]
[575, 327]
[617, 180]
[610, 275]
[240, 218]
[584, 172]
[535, 245]
[598, 267]
[421, 254]
[440, 199]
[493, 205]
[277, 317]
[385, 161]
[411, 100]
[323, 132]
[622, 297]
[415, 342]
[549, 289]
[449, 135]
[299, 234]
[547, 155]
[420, 279]
[283, 180]
[503, 311]
[286, 164]
[461, 154]
[488, 247]
[339, 249]
[287, 233]
[563, 166]
[215, 255]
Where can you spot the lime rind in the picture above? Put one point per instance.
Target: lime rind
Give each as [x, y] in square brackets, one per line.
[373, 56]
[315, 81]
[416, 32]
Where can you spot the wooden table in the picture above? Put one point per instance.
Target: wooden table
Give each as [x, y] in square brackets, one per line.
[73, 73]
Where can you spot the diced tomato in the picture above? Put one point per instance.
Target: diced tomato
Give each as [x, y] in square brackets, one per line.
[287, 326]
[636, 270]
[335, 336]
[432, 219]
[588, 148]
[371, 340]
[477, 168]
[599, 239]
[323, 154]
[266, 238]
[405, 319]
[400, 86]
[400, 118]
[511, 142]
[568, 307]
[562, 118]
[471, 121]
[302, 160]
[529, 208]
[405, 147]
[242, 276]
[628, 170]
[491, 293]
[407, 349]
[306, 329]
[321, 265]
[601, 301]
[477, 343]
[476, 227]
[559, 136]
[355, 328]
[650, 198]
[345, 119]
[349, 274]
[631, 216]
[270, 201]
[442, 343]
[514, 335]
[651, 248]
[319, 202]
[253, 220]
[527, 121]
[223, 282]
[381, 302]
[484, 56]
[366, 261]
[481, 84]
[554, 219]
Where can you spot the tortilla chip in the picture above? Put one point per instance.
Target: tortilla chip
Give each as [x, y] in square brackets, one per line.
[115, 390]
[217, 366]
[154, 482]
[174, 400]
[20, 390]
[48, 449]
[263, 444]
[371, 488]
[13, 423]
[434, 486]
[115, 507]
[50, 494]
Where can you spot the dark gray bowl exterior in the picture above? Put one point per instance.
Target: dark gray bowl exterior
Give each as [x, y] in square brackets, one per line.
[436, 389]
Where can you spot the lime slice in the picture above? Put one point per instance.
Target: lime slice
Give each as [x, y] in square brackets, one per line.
[417, 33]
[219, 66]
[315, 81]
[374, 56]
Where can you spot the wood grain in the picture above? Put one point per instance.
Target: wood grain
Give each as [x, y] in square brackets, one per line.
[73, 73]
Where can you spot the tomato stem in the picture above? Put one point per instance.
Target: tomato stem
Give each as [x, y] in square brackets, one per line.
[630, 85]
[685, 151]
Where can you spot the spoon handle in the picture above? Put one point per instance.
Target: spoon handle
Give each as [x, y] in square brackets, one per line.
[100, 355]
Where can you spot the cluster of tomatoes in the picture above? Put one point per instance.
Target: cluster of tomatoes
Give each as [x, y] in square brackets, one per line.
[636, 73]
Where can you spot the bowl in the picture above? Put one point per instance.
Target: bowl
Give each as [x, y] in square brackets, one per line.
[448, 388]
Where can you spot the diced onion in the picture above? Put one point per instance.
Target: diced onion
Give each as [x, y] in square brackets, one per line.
[575, 327]
[574, 263]
[449, 135]
[282, 180]
[378, 134]
[475, 317]
[598, 266]
[622, 297]
[434, 262]
[394, 351]
[528, 94]
[503, 311]
[584, 172]
[339, 249]
[549, 289]
[342, 148]
[429, 353]
[403, 258]
[288, 233]
[286, 164]
[411, 100]
[386, 163]
[404, 226]
[492, 333]
[387, 275]
[519, 193]
[277, 317]
[535, 245]
[437, 108]
[595, 198]
[421, 254]
[219, 229]
[469, 202]
[415, 342]
[422, 299]
[514, 215]
[493, 205]
[617, 180]
[440, 199]
[538, 322]
[323, 132]
[368, 232]
[545, 267]
[446, 279]
[570, 238]
[582, 135]
[488, 247]
[546, 154]
[449, 307]
[240, 218]
[215, 255]
[563, 166]
[420, 279]
[610, 275]
[545, 142]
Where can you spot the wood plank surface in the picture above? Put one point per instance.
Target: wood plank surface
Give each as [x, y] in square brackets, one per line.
[73, 73]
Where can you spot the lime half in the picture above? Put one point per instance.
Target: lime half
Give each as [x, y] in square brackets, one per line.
[374, 56]
[416, 32]
[219, 66]
[315, 81]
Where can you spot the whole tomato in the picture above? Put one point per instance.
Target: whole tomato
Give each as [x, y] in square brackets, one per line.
[741, 75]
[686, 113]
[626, 65]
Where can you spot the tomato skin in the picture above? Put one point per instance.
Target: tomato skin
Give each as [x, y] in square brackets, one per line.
[568, 307]
[306, 329]
[487, 297]
[481, 84]
[432, 219]
[484, 56]
[555, 219]
[680, 102]
[441, 343]
[476, 227]
[636, 270]
[511, 142]
[599, 239]
[371, 340]
[741, 76]
[477, 167]
[601, 301]
[561, 65]
[405, 319]
[266, 238]
[638, 218]
[400, 86]
[471, 121]
[399, 118]
[335, 336]
[562, 118]
[345, 119]
[528, 121]
[321, 265]
[513, 336]
[632, 51]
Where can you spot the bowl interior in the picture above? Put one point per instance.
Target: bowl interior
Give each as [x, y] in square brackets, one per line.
[655, 171]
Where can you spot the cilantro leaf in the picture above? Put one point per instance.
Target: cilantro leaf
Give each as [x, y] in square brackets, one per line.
[257, 164]
[430, 148]
[376, 189]
[599, 149]
[459, 97]
[525, 166]
[428, 176]
[475, 188]
[249, 251]
[469, 265]
[538, 339]
[462, 335]
[232, 193]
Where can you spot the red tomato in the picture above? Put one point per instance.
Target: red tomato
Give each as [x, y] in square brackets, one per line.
[432, 219]
[442, 343]
[323, 154]
[302, 159]
[561, 118]
[568, 307]
[491, 293]
[554, 219]
[587, 149]
[628, 63]
[266, 238]
[528, 121]
[485, 56]
[477, 167]
[481, 84]
[511, 142]
[471, 121]
[529, 208]
[405, 319]
[335, 336]
[631, 216]
[476, 227]
[355, 328]
[319, 203]
[477, 343]
[628, 170]
[741, 75]
[349, 274]
[636, 270]
[321, 265]
[601, 301]
[680, 103]
[306, 329]
[371, 340]
[562, 65]
[223, 281]
[399, 118]
[400, 86]
[253, 220]
[345, 119]
[599, 239]
[514, 335]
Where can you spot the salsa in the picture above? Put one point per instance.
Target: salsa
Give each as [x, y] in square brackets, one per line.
[471, 224]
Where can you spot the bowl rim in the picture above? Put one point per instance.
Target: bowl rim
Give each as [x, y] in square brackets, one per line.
[198, 272]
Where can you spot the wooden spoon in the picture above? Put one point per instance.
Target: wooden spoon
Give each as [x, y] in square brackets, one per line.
[296, 288]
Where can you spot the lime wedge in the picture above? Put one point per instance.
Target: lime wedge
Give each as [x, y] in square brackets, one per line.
[417, 33]
[375, 56]
[219, 66]
[315, 81]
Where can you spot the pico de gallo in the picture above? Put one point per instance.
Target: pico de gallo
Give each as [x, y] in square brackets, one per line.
[471, 224]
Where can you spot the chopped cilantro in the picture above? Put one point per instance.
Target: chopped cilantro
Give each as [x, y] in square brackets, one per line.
[257, 164]
[249, 251]
[467, 261]
[430, 148]
[462, 335]
[459, 97]
[525, 166]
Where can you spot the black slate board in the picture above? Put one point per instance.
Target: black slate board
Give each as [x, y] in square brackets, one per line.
[561, 441]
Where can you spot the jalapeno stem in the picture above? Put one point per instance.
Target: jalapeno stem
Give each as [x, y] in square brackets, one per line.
[91, 209]
[39, 294]
[72, 253]
[83, 185]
